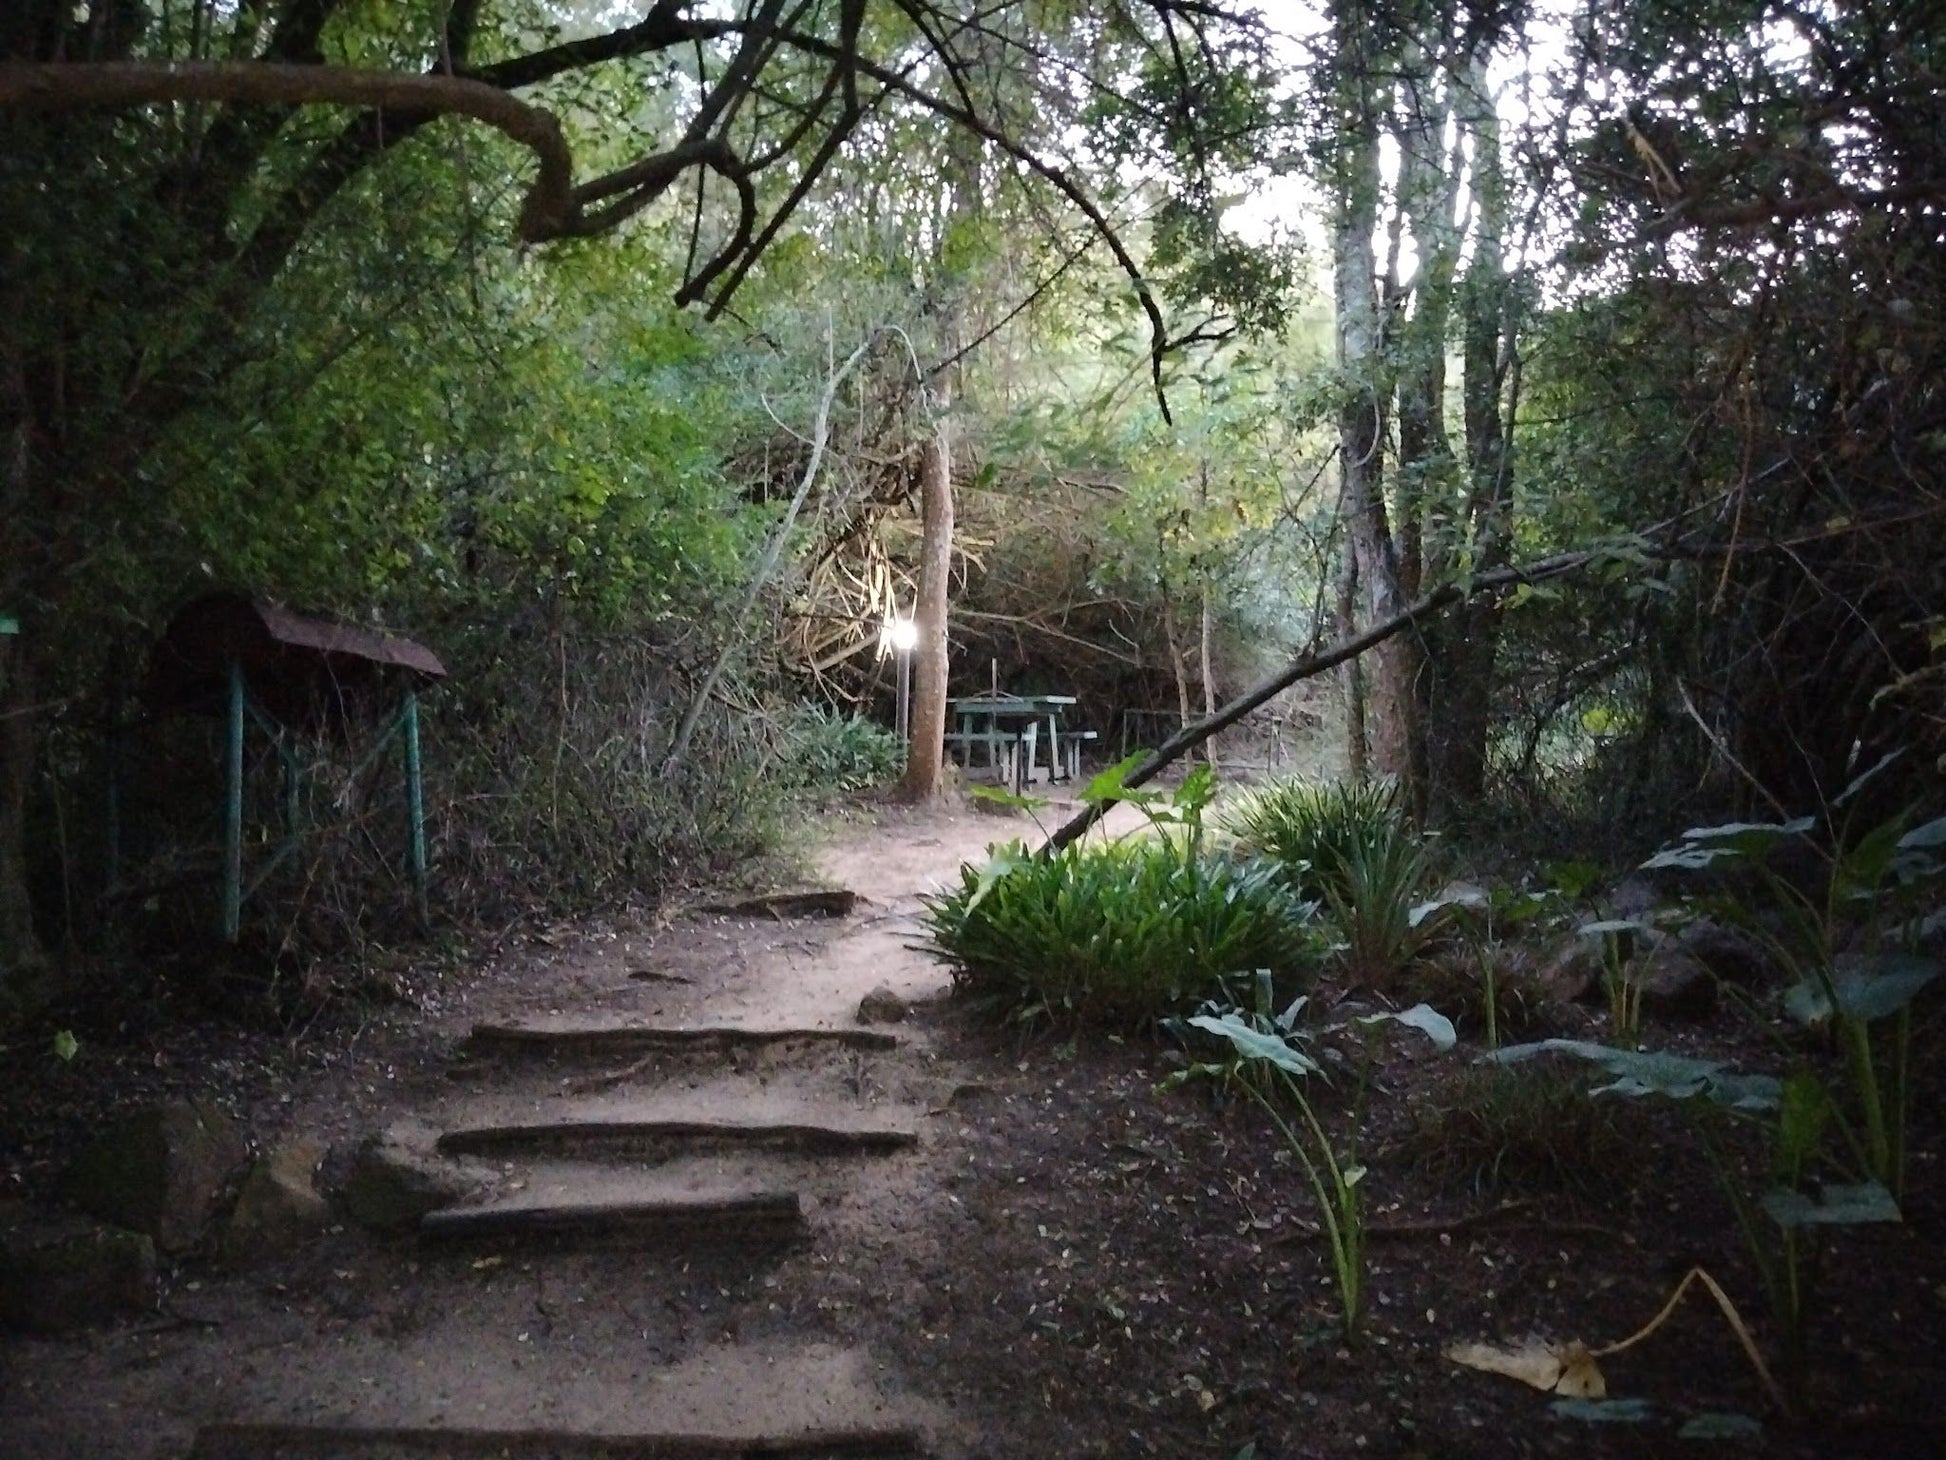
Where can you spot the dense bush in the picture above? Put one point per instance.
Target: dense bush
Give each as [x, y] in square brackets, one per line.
[825, 750]
[1121, 934]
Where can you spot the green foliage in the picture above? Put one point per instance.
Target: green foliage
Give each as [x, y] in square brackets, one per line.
[1345, 843]
[1312, 830]
[1882, 879]
[1120, 935]
[827, 750]
[1495, 1128]
[1281, 1070]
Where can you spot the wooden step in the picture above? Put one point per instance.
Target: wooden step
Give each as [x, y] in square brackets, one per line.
[273, 1441]
[555, 1038]
[764, 1217]
[809, 1136]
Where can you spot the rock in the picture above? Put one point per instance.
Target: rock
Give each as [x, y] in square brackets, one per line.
[1571, 973]
[279, 1204]
[1673, 982]
[882, 1006]
[161, 1171]
[59, 1271]
[399, 1176]
[1633, 897]
[1729, 952]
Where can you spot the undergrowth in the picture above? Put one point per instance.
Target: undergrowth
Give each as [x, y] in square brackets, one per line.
[1122, 935]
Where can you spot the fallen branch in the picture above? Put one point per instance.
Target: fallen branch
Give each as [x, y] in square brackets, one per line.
[1312, 665]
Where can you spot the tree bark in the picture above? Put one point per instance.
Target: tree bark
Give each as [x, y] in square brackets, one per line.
[1393, 683]
[1358, 760]
[1209, 677]
[21, 957]
[925, 755]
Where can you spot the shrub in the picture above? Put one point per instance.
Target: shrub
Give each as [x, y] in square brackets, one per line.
[1346, 844]
[825, 750]
[1313, 830]
[1501, 1129]
[1121, 934]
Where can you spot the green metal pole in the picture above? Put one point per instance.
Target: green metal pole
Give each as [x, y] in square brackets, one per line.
[233, 811]
[415, 800]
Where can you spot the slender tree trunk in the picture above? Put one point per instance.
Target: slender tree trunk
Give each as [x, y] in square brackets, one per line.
[21, 958]
[1393, 684]
[1351, 677]
[1208, 670]
[925, 756]
[1461, 695]
[1177, 667]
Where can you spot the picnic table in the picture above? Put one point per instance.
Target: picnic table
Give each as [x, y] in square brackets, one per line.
[1008, 727]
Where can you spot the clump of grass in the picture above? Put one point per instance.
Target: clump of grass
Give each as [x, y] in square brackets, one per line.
[1314, 830]
[1119, 935]
[1501, 1129]
[1346, 844]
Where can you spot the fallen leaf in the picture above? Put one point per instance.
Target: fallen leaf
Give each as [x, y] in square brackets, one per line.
[1567, 1368]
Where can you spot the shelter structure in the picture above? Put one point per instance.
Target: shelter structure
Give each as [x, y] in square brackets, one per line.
[248, 660]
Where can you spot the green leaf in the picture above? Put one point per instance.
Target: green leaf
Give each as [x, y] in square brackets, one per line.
[1745, 833]
[1925, 837]
[1648, 1072]
[66, 1046]
[1884, 986]
[1802, 1117]
[1111, 784]
[1423, 1017]
[1001, 796]
[1832, 1206]
[1719, 1426]
[1603, 1411]
[1254, 1044]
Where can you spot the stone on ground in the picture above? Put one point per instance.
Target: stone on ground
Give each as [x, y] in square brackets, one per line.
[883, 1006]
[279, 1205]
[59, 1271]
[398, 1176]
[161, 1170]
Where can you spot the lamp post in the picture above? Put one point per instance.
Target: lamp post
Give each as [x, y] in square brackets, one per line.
[901, 637]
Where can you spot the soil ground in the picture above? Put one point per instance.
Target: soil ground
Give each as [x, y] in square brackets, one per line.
[1067, 1264]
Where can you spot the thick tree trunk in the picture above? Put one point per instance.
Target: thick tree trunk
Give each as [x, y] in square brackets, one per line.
[925, 755]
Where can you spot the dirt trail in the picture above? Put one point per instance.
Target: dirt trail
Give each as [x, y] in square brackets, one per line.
[643, 1204]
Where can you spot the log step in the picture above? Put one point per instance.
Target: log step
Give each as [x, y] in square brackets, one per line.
[554, 1038]
[809, 1137]
[763, 1216]
[273, 1441]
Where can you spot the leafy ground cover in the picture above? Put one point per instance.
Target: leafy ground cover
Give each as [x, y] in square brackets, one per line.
[1077, 1263]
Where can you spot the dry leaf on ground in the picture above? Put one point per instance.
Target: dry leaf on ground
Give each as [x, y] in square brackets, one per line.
[1565, 1368]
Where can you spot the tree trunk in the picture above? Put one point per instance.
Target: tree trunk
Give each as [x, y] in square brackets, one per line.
[21, 958]
[1467, 641]
[1358, 760]
[1393, 683]
[1209, 678]
[925, 755]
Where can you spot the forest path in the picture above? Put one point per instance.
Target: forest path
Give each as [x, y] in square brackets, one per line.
[668, 1139]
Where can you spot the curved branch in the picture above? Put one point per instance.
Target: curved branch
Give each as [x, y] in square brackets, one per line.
[71, 86]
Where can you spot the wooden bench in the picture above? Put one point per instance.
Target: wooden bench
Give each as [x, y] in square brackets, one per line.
[1071, 750]
[1015, 756]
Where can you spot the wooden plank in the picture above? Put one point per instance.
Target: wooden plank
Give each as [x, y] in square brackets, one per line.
[808, 1136]
[271, 1440]
[616, 1038]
